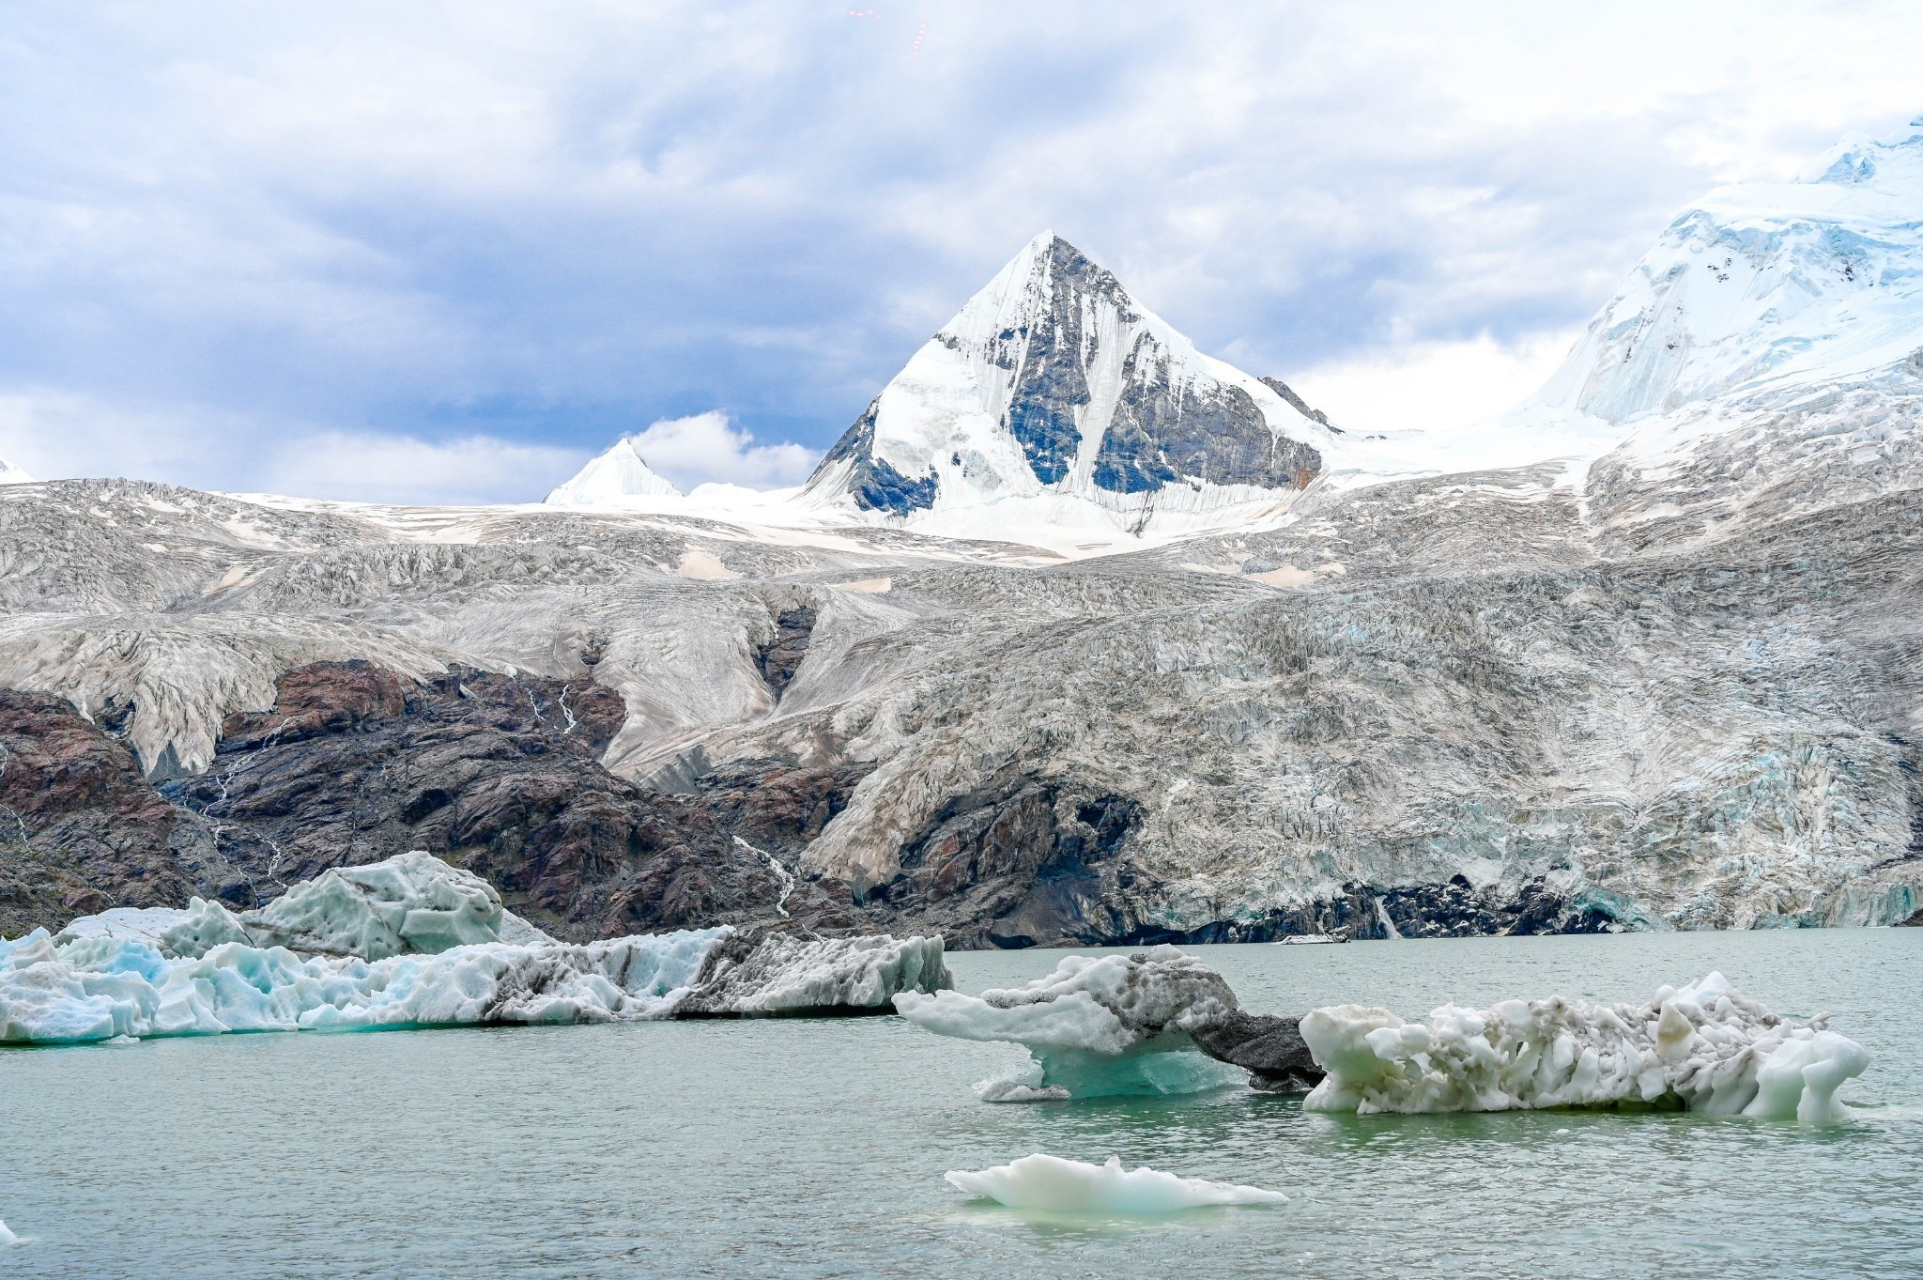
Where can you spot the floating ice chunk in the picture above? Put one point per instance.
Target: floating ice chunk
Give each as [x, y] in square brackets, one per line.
[135, 991]
[1703, 1047]
[390, 938]
[7, 1238]
[759, 975]
[1096, 1026]
[409, 903]
[1050, 1184]
[412, 902]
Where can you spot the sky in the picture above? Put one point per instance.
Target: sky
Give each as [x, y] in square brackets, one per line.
[446, 251]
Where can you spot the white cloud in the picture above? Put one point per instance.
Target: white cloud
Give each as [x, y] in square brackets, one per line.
[707, 447]
[366, 467]
[223, 229]
[1433, 386]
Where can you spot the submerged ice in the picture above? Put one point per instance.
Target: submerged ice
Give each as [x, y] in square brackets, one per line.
[1095, 1026]
[412, 942]
[1050, 1184]
[1703, 1047]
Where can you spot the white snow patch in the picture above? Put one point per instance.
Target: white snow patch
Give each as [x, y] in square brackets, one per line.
[1050, 1184]
[1703, 1047]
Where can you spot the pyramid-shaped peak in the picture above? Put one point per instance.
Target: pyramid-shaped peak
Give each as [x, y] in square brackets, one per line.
[10, 474]
[620, 472]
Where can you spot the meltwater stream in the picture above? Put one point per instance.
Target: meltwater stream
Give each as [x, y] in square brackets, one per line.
[818, 1148]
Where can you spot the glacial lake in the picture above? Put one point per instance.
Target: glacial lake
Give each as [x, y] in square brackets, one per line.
[817, 1148]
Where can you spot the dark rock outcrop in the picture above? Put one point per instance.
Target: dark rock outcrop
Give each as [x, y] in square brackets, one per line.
[1164, 432]
[495, 773]
[81, 829]
[1269, 1048]
[874, 484]
[1028, 863]
[1300, 405]
[781, 656]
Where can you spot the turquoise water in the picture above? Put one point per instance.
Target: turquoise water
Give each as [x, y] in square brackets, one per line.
[817, 1148]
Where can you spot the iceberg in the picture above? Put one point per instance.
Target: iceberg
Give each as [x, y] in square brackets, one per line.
[749, 975]
[411, 902]
[413, 942]
[1050, 1184]
[1703, 1048]
[1095, 1026]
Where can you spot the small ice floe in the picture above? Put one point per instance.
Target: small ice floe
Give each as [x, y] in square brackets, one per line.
[1096, 1027]
[8, 1239]
[1703, 1048]
[1050, 1184]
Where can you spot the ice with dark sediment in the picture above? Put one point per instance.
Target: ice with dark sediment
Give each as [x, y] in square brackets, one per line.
[1117, 1024]
[412, 942]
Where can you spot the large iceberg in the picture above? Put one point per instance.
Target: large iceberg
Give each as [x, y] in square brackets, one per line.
[1704, 1048]
[409, 903]
[412, 942]
[1117, 1024]
[1051, 1184]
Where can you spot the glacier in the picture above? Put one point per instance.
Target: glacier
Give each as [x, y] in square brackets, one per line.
[1050, 1184]
[435, 949]
[1095, 1027]
[1701, 1047]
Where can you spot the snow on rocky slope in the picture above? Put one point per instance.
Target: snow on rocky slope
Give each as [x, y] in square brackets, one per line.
[1658, 665]
[1053, 389]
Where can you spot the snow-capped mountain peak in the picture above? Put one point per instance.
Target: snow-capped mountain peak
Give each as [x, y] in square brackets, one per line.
[620, 472]
[10, 474]
[1765, 284]
[1052, 382]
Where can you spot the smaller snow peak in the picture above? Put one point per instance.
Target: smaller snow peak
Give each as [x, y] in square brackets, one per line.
[619, 473]
[10, 474]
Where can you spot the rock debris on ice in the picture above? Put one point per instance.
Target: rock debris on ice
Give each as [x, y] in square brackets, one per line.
[1109, 1025]
[1050, 1184]
[1704, 1048]
[412, 942]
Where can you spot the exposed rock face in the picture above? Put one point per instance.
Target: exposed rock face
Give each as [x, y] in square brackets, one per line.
[779, 658]
[1297, 403]
[80, 829]
[1053, 382]
[873, 484]
[1269, 1048]
[495, 773]
[1026, 863]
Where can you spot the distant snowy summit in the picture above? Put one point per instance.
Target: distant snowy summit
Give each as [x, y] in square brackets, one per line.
[619, 473]
[10, 474]
[1763, 286]
[1053, 383]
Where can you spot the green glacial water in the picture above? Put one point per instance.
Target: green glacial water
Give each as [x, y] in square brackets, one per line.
[817, 1148]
